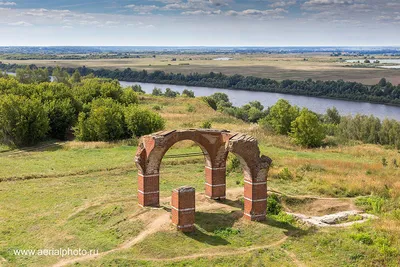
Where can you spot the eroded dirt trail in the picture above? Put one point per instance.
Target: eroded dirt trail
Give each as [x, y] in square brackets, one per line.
[221, 253]
[159, 219]
[157, 223]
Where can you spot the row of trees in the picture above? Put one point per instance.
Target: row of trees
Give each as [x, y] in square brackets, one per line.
[370, 129]
[383, 92]
[307, 128]
[97, 109]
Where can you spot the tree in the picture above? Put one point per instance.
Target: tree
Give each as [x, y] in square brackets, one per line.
[170, 93]
[3, 74]
[307, 130]
[61, 114]
[76, 77]
[157, 92]
[28, 75]
[332, 116]
[129, 97]
[60, 76]
[138, 89]
[141, 121]
[220, 98]
[382, 82]
[103, 122]
[23, 121]
[281, 115]
[188, 93]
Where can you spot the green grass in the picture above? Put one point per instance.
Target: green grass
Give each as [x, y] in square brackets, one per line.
[83, 195]
[357, 246]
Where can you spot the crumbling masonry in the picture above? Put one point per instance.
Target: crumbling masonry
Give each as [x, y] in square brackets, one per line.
[183, 208]
[215, 146]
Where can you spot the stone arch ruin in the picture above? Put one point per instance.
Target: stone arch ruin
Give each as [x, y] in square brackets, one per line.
[216, 146]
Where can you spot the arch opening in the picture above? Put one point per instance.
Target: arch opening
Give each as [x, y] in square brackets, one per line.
[216, 146]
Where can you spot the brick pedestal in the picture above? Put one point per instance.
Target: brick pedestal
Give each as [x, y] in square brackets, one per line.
[149, 190]
[183, 208]
[215, 182]
[255, 200]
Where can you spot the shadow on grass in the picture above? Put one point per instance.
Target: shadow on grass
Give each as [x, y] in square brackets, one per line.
[233, 203]
[291, 230]
[202, 237]
[210, 221]
[45, 146]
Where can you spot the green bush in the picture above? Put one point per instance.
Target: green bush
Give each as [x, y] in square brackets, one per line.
[104, 122]
[285, 174]
[226, 232]
[206, 125]
[23, 121]
[371, 204]
[307, 130]
[281, 115]
[157, 92]
[61, 114]
[157, 107]
[188, 93]
[233, 164]
[138, 89]
[129, 97]
[210, 102]
[141, 121]
[170, 93]
[363, 238]
[274, 206]
[190, 108]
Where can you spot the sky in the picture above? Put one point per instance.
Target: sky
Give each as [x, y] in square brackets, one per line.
[200, 23]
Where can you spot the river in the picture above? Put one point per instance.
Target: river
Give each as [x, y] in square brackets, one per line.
[319, 105]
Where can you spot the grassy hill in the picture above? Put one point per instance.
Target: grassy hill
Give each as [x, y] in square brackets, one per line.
[83, 195]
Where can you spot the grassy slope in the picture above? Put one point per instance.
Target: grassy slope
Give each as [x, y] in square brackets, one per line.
[87, 199]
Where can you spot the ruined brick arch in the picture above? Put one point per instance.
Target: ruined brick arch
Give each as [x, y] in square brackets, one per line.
[216, 146]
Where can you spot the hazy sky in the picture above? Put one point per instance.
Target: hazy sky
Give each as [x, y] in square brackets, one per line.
[200, 22]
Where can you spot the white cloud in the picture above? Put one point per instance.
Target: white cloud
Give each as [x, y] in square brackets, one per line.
[202, 12]
[283, 3]
[256, 12]
[392, 4]
[7, 3]
[331, 2]
[20, 23]
[143, 9]
[109, 22]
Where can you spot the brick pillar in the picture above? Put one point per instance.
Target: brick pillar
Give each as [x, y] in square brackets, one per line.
[148, 190]
[215, 182]
[183, 208]
[255, 200]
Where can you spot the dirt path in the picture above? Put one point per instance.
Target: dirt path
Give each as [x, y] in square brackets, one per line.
[157, 224]
[2, 260]
[294, 258]
[160, 219]
[220, 254]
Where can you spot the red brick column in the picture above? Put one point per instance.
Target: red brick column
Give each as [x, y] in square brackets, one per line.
[183, 208]
[255, 200]
[149, 190]
[215, 182]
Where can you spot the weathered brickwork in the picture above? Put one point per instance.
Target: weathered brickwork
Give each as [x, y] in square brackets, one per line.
[183, 208]
[216, 146]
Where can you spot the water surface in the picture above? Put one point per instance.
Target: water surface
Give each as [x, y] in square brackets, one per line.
[319, 105]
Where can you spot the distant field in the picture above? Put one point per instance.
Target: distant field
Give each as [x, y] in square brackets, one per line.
[278, 67]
